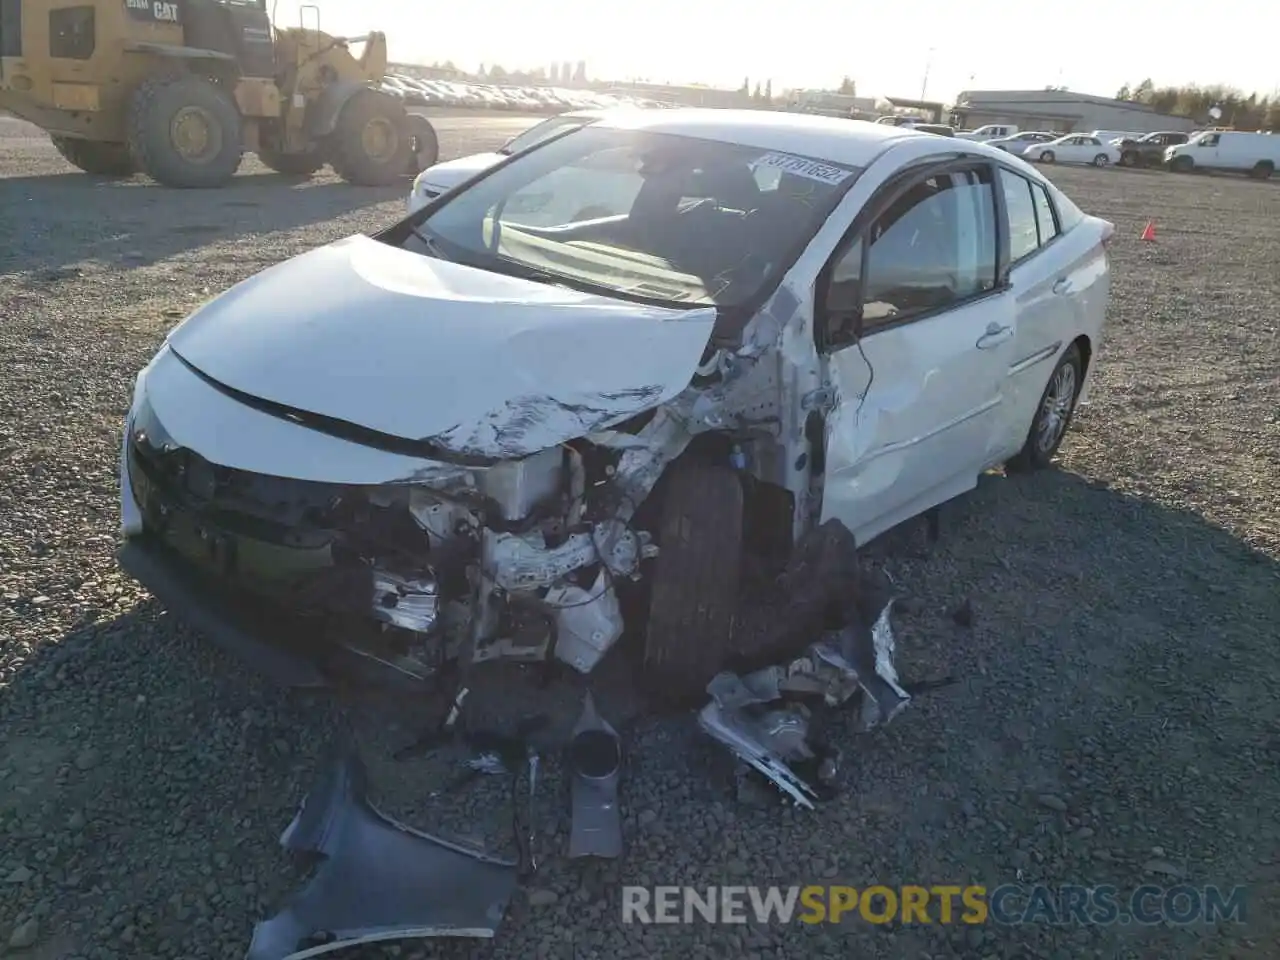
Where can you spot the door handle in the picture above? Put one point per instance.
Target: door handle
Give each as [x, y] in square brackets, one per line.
[995, 335]
[1062, 287]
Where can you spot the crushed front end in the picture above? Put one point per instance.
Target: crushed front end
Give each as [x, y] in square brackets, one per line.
[517, 559]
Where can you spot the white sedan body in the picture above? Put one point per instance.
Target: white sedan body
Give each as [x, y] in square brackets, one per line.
[1074, 148]
[909, 301]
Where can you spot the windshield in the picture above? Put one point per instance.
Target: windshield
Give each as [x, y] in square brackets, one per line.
[541, 131]
[639, 215]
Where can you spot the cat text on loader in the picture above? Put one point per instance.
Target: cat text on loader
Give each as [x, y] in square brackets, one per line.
[181, 89]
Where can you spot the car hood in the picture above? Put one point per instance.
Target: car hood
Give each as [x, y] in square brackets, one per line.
[472, 363]
[447, 175]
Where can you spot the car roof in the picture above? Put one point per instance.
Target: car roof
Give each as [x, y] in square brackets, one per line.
[851, 142]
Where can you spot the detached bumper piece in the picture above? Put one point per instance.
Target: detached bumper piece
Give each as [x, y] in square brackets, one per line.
[764, 721]
[595, 764]
[380, 880]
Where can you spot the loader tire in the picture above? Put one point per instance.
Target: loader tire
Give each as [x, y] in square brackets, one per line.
[95, 156]
[695, 581]
[185, 131]
[292, 164]
[424, 148]
[370, 146]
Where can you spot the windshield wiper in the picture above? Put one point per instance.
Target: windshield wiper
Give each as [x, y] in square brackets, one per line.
[515, 268]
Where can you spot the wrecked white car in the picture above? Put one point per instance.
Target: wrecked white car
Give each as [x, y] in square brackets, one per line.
[479, 434]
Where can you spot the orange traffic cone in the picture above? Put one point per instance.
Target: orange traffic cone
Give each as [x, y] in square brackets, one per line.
[1149, 231]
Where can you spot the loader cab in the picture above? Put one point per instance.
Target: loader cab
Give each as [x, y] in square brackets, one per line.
[238, 28]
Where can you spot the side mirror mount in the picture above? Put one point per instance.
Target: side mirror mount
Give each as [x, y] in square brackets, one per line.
[839, 317]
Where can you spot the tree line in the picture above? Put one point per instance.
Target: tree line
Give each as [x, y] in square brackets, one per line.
[1245, 112]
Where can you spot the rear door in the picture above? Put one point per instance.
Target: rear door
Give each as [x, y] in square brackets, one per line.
[1078, 150]
[918, 382]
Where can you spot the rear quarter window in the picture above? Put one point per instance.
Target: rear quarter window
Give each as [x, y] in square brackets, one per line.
[1069, 215]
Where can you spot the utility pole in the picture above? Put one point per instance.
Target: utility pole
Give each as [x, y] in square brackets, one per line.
[924, 84]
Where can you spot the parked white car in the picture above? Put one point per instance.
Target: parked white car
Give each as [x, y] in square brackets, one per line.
[1257, 154]
[441, 177]
[449, 436]
[1074, 148]
[991, 131]
[1020, 141]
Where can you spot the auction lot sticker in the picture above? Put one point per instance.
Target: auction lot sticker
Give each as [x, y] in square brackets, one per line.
[803, 167]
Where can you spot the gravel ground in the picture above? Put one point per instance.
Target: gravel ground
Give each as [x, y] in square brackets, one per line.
[1116, 720]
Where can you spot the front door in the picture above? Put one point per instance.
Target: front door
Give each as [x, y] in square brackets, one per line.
[919, 393]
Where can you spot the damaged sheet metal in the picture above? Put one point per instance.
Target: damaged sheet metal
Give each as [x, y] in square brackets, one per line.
[595, 764]
[763, 715]
[380, 880]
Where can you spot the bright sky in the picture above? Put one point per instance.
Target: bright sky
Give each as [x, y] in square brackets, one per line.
[1092, 46]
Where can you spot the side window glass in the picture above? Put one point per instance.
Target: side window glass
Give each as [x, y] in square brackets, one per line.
[1048, 224]
[1024, 237]
[933, 247]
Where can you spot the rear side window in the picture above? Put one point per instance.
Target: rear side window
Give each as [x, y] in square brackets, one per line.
[1024, 235]
[1046, 219]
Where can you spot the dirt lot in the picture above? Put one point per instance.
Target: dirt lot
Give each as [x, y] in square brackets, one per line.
[1116, 721]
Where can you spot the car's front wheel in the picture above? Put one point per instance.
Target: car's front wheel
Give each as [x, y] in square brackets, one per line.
[694, 584]
[1053, 414]
[1046, 156]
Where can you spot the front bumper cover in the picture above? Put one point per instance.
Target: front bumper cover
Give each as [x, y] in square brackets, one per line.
[229, 624]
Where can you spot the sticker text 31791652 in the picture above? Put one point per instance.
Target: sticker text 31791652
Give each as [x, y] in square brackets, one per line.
[803, 167]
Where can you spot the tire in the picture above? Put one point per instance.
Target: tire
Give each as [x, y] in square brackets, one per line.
[1181, 164]
[1057, 402]
[1047, 156]
[1130, 159]
[370, 146]
[1101, 160]
[157, 109]
[292, 164]
[1262, 170]
[694, 585]
[424, 148]
[94, 156]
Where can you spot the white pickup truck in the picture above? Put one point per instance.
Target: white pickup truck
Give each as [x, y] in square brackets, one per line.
[992, 131]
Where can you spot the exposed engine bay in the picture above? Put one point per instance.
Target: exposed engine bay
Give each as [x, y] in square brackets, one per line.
[518, 559]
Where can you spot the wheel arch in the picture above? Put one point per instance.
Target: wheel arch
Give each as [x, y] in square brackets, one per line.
[322, 113]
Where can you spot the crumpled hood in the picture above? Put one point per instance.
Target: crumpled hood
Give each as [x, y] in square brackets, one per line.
[476, 363]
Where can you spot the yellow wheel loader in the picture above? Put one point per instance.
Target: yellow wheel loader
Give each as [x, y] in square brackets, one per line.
[182, 89]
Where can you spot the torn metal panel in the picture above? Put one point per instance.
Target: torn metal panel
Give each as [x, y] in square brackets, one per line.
[380, 880]
[747, 738]
[595, 764]
[760, 718]
[411, 603]
[529, 424]
[641, 465]
[588, 622]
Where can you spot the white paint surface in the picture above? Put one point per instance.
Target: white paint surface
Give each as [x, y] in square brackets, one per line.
[421, 348]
